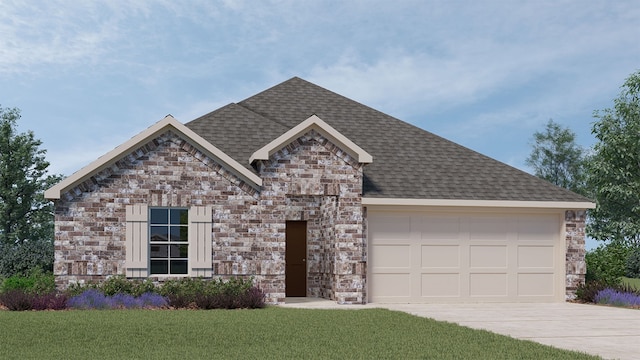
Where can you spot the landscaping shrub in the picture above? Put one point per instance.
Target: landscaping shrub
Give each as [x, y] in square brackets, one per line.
[21, 258]
[117, 284]
[587, 292]
[607, 262]
[21, 300]
[617, 298]
[50, 301]
[94, 299]
[37, 282]
[16, 300]
[89, 299]
[633, 263]
[212, 294]
[26, 293]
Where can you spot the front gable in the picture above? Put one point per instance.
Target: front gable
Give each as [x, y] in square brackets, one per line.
[135, 147]
[317, 124]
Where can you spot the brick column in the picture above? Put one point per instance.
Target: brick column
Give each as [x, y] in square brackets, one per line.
[576, 267]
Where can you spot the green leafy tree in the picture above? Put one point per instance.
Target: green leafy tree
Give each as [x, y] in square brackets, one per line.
[614, 168]
[557, 158]
[26, 218]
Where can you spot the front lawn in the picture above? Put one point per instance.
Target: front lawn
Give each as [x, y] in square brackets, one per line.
[270, 333]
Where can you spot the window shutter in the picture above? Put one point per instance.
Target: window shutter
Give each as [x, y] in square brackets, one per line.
[137, 241]
[200, 241]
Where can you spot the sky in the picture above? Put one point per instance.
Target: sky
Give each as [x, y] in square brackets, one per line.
[88, 75]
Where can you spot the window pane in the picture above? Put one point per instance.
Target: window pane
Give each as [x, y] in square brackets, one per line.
[159, 251]
[159, 267]
[179, 216]
[159, 233]
[178, 266]
[179, 251]
[179, 233]
[159, 216]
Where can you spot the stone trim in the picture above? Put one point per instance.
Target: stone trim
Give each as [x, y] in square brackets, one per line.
[576, 266]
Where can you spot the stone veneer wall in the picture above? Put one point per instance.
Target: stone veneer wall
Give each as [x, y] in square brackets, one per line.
[312, 179]
[575, 242]
[90, 219]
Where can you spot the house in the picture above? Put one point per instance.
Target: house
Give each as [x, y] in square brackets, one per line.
[313, 194]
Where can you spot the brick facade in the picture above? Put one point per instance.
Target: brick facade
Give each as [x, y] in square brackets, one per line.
[576, 266]
[310, 179]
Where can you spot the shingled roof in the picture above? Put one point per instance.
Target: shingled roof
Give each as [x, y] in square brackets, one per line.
[408, 162]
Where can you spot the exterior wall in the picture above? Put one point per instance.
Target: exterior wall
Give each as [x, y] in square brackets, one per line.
[90, 219]
[575, 254]
[311, 179]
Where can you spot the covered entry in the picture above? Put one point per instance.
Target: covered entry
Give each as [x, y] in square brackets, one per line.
[455, 256]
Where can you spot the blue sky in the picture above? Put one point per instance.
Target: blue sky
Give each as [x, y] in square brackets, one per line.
[486, 74]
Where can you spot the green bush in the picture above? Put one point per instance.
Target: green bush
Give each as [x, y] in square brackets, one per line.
[36, 282]
[607, 263]
[117, 284]
[20, 259]
[633, 263]
[212, 294]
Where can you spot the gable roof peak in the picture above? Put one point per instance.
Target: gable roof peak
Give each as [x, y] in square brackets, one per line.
[313, 122]
[169, 123]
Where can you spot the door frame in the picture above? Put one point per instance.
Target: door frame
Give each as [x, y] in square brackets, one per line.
[296, 271]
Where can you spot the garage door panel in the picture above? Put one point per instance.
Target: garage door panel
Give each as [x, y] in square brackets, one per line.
[393, 285]
[487, 228]
[439, 227]
[441, 285]
[538, 228]
[488, 256]
[535, 284]
[391, 256]
[440, 256]
[488, 284]
[536, 257]
[390, 227]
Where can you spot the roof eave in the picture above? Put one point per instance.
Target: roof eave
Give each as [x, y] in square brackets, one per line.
[369, 201]
[168, 123]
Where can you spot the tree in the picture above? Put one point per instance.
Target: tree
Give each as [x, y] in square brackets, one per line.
[614, 169]
[26, 218]
[556, 158]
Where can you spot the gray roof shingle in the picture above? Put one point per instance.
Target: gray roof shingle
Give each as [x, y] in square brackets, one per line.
[408, 162]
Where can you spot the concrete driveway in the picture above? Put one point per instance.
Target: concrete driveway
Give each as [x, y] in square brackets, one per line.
[613, 333]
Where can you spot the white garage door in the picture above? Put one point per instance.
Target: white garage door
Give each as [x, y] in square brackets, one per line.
[419, 257]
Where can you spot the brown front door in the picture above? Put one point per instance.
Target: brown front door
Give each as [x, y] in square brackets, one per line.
[296, 259]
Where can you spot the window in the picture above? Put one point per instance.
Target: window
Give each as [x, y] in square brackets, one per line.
[169, 241]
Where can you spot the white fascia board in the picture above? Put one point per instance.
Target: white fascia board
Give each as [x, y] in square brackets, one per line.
[155, 130]
[477, 203]
[315, 123]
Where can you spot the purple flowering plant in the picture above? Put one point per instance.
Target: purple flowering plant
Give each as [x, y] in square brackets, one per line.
[94, 299]
[617, 298]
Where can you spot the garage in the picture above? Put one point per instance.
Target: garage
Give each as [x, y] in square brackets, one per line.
[429, 256]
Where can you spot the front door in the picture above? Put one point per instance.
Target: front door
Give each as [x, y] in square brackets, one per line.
[296, 259]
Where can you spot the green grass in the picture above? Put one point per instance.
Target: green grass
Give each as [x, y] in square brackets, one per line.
[270, 333]
[631, 282]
